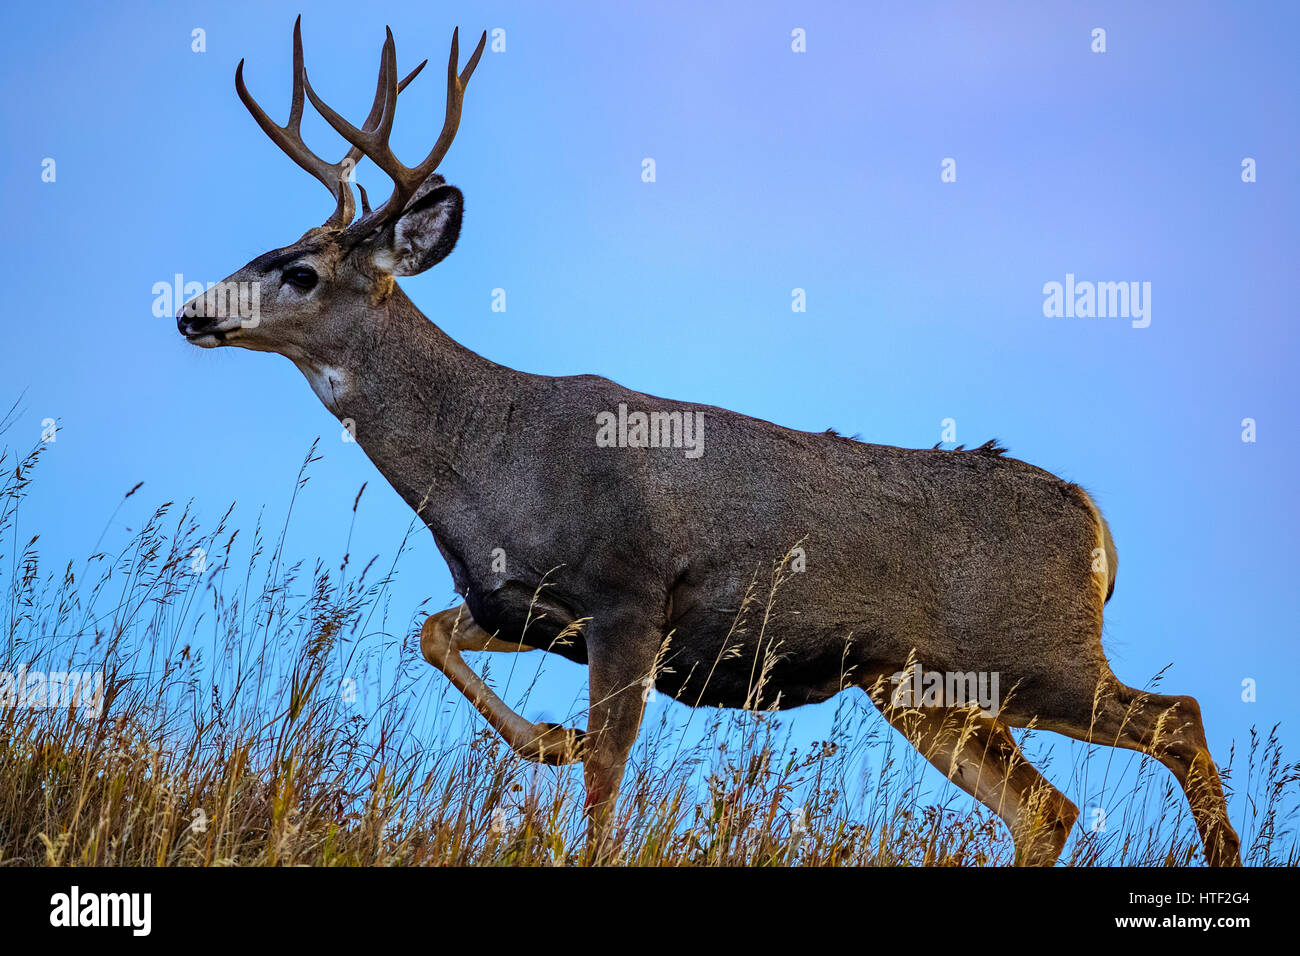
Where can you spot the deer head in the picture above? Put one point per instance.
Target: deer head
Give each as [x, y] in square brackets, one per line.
[312, 295]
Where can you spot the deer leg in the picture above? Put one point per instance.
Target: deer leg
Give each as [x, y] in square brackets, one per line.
[979, 755]
[1169, 729]
[621, 662]
[443, 637]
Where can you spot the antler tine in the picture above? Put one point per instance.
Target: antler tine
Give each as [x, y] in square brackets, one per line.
[295, 101]
[289, 137]
[373, 140]
[381, 99]
[455, 100]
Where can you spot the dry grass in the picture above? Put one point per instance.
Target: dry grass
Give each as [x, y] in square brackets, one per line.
[228, 736]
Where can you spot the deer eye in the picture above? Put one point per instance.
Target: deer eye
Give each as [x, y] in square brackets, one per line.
[300, 277]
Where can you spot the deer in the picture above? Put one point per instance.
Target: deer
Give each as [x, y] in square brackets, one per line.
[630, 555]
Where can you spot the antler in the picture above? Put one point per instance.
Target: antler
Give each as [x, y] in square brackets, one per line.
[289, 136]
[372, 139]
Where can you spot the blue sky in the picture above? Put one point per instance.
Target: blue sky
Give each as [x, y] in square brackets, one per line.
[775, 170]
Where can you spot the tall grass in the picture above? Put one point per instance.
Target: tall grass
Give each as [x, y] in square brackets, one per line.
[263, 711]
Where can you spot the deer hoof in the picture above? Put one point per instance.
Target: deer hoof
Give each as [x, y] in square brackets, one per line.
[553, 744]
[1043, 843]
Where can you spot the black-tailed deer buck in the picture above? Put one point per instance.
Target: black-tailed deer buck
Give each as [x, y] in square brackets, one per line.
[632, 526]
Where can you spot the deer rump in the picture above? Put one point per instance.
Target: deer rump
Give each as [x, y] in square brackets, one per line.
[963, 560]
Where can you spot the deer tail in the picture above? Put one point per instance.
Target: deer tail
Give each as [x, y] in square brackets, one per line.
[1105, 557]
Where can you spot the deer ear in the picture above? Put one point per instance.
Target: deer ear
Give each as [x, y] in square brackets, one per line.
[424, 235]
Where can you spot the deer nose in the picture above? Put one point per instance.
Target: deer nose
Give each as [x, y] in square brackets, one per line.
[189, 322]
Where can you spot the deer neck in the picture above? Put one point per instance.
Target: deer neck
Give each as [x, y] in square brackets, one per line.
[422, 406]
